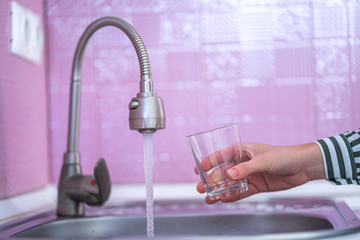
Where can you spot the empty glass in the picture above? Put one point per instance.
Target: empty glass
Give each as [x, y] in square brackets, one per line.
[215, 151]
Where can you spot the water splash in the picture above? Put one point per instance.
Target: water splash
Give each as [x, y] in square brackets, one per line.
[148, 168]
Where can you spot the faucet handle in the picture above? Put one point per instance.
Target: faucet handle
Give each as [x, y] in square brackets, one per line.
[102, 179]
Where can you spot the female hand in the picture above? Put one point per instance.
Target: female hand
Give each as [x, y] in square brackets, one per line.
[271, 168]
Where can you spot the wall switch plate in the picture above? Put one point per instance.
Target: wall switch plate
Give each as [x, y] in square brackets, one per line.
[27, 38]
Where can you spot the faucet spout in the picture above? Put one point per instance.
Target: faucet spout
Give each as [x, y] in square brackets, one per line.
[146, 114]
[146, 85]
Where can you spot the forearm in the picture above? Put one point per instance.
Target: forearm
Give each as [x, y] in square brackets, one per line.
[341, 157]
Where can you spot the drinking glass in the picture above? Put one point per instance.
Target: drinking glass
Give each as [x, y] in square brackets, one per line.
[214, 152]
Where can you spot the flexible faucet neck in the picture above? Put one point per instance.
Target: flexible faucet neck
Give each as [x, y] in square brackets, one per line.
[132, 34]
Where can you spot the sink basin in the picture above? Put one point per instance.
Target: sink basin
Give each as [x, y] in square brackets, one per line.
[283, 218]
[205, 224]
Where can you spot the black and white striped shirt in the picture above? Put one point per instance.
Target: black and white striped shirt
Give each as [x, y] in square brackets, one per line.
[341, 155]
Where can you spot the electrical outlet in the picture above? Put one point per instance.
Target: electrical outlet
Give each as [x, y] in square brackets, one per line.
[27, 36]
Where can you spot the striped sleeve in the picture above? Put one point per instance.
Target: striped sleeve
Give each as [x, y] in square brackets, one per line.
[341, 155]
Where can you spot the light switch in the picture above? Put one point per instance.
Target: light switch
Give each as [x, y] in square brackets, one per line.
[27, 38]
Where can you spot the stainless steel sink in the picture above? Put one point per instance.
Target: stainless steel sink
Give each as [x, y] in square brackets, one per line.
[280, 218]
[193, 225]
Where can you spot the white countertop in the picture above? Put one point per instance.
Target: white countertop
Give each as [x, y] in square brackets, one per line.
[45, 198]
[317, 189]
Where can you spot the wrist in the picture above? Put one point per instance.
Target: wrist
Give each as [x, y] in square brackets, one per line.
[312, 160]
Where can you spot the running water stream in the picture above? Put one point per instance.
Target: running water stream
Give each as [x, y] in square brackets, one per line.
[148, 168]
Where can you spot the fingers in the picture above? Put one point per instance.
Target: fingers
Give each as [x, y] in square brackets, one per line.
[200, 187]
[243, 170]
[256, 161]
[221, 156]
[209, 201]
[251, 191]
[217, 175]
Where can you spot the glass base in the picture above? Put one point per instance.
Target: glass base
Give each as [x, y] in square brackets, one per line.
[227, 189]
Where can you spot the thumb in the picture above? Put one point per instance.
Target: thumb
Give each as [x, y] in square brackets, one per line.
[244, 169]
[256, 161]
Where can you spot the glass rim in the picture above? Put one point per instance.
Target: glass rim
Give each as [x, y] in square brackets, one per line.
[213, 130]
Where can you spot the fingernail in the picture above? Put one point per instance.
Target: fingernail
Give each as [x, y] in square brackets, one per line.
[234, 173]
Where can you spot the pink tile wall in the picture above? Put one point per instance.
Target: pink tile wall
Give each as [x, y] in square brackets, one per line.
[24, 146]
[288, 71]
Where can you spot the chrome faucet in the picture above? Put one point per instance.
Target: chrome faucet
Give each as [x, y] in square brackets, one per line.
[146, 115]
